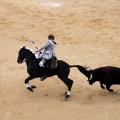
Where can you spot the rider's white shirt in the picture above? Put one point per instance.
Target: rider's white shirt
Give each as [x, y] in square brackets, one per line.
[48, 52]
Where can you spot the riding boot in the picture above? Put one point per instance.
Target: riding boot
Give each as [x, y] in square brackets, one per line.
[43, 75]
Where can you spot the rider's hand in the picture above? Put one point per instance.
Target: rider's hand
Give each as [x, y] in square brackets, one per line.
[37, 51]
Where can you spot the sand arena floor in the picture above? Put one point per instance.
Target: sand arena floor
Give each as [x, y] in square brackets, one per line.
[87, 33]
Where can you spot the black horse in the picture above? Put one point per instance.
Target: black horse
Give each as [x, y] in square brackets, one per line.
[34, 71]
[108, 75]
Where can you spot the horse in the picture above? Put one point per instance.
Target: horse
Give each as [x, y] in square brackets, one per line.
[108, 75]
[35, 71]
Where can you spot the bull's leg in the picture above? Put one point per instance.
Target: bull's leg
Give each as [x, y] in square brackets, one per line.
[108, 87]
[101, 85]
[27, 84]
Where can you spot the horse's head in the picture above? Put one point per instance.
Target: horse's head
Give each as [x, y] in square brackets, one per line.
[21, 55]
[26, 54]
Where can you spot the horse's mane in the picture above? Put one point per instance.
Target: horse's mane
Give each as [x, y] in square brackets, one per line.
[30, 50]
[35, 54]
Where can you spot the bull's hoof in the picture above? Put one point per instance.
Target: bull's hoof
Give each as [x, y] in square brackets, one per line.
[33, 86]
[111, 90]
[43, 78]
[30, 89]
[102, 87]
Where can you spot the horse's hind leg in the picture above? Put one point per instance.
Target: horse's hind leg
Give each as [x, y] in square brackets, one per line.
[69, 83]
[27, 84]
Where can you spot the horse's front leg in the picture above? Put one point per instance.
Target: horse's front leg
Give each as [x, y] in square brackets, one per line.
[27, 84]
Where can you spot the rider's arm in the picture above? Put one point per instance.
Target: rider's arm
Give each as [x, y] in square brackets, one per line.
[44, 46]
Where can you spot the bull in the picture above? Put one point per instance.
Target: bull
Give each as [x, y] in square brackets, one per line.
[107, 76]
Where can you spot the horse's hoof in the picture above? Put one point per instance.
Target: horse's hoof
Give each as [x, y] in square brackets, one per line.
[29, 88]
[65, 94]
[66, 97]
[33, 86]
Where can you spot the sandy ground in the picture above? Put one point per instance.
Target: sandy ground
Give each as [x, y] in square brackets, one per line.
[87, 33]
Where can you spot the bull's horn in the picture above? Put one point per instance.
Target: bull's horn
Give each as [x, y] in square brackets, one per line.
[91, 76]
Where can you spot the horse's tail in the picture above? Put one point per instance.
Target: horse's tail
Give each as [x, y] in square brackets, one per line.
[82, 69]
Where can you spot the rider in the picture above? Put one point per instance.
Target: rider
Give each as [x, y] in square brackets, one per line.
[48, 52]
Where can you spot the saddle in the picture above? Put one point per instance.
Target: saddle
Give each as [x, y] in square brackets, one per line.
[52, 63]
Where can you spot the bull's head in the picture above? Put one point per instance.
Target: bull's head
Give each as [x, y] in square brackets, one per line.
[91, 80]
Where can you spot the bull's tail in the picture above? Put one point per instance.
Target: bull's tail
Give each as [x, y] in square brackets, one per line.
[83, 70]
